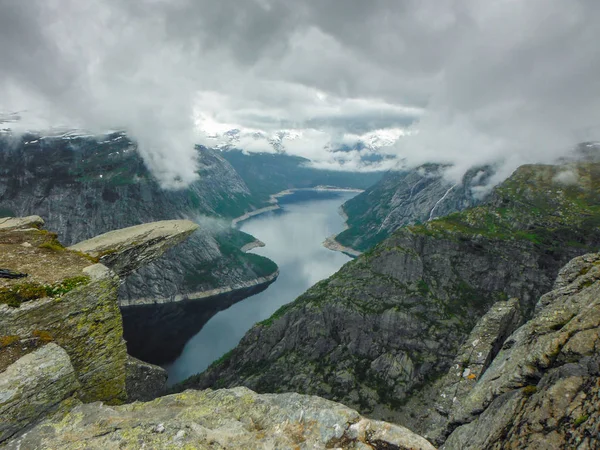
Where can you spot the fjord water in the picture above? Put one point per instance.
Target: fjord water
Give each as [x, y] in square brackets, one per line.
[293, 236]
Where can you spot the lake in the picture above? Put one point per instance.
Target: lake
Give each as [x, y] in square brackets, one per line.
[293, 236]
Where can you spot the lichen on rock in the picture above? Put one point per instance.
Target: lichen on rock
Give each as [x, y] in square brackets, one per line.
[228, 419]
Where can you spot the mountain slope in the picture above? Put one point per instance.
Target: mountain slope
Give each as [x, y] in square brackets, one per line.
[404, 198]
[393, 320]
[83, 187]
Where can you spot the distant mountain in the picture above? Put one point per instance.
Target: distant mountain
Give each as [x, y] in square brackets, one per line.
[408, 197]
[83, 186]
[370, 146]
[268, 173]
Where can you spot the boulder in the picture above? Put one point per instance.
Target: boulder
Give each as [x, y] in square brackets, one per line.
[34, 385]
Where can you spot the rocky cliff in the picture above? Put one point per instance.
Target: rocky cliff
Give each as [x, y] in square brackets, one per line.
[61, 333]
[404, 198]
[62, 355]
[84, 187]
[391, 322]
[541, 390]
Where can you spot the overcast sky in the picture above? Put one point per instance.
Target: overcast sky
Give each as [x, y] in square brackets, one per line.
[466, 82]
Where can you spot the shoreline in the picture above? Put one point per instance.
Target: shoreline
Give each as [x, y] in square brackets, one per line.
[144, 301]
[275, 204]
[331, 244]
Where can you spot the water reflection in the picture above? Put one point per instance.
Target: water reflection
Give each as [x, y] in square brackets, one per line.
[293, 238]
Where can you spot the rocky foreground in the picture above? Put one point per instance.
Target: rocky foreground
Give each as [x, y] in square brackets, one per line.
[64, 368]
[227, 419]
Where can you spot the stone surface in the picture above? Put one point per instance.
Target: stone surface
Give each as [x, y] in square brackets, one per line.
[32, 386]
[428, 412]
[144, 381]
[226, 419]
[128, 249]
[87, 323]
[542, 389]
[16, 223]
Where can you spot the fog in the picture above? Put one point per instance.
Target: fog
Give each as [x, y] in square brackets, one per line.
[461, 82]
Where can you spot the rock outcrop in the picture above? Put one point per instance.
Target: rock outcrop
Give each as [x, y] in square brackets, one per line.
[227, 419]
[68, 299]
[33, 386]
[542, 389]
[61, 331]
[84, 187]
[15, 223]
[391, 322]
[144, 381]
[128, 249]
[428, 409]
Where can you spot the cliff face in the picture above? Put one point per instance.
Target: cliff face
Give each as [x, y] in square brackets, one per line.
[84, 187]
[403, 198]
[541, 390]
[61, 332]
[393, 320]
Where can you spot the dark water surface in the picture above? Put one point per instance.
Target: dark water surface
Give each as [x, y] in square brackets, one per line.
[293, 238]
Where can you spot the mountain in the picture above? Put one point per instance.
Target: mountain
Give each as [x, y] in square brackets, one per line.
[267, 173]
[519, 380]
[407, 197]
[379, 333]
[83, 186]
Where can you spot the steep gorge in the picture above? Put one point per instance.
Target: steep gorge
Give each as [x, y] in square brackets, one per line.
[391, 322]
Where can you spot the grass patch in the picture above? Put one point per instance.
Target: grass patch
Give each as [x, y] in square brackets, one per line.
[529, 390]
[53, 245]
[20, 293]
[580, 420]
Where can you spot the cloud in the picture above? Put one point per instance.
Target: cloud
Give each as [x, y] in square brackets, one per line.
[468, 82]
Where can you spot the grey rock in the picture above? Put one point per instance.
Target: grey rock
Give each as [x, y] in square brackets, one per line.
[86, 322]
[16, 223]
[227, 419]
[144, 381]
[33, 386]
[128, 249]
[541, 390]
[429, 416]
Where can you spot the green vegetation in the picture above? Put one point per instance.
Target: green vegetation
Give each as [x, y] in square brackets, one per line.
[17, 294]
[6, 341]
[580, 420]
[529, 390]
[53, 245]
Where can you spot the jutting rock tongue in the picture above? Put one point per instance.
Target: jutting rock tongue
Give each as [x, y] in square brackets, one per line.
[128, 249]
